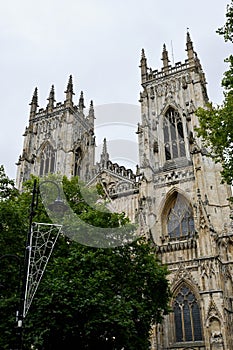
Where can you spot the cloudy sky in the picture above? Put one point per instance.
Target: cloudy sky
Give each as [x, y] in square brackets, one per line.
[99, 42]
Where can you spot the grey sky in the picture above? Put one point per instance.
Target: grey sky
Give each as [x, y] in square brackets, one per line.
[99, 42]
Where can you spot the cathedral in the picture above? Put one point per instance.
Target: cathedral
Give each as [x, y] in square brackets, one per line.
[176, 194]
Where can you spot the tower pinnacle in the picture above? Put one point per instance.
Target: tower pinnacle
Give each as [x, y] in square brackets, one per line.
[189, 48]
[143, 66]
[91, 114]
[104, 155]
[69, 93]
[51, 100]
[81, 102]
[165, 58]
[34, 104]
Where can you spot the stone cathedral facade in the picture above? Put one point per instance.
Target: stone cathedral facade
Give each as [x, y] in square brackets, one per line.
[176, 194]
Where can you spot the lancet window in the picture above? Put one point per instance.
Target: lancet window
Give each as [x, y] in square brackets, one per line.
[187, 316]
[173, 135]
[77, 161]
[47, 160]
[180, 222]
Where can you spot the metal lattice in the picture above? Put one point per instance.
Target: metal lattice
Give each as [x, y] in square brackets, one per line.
[43, 239]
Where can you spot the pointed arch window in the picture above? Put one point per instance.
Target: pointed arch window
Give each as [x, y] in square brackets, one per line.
[47, 160]
[173, 135]
[187, 316]
[180, 222]
[77, 161]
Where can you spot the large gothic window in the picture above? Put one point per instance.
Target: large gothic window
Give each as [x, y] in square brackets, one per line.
[180, 222]
[47, 160]
[173, 135]
[187, 316]
[77, 161]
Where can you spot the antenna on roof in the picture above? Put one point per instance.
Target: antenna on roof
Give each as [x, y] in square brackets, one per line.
[172, 54]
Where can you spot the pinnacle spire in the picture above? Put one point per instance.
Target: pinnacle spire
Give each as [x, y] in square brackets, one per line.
[70, 85]
[189, 47]
[35, 97]
[34, 104]
[69, 92]
[143, 66]
[143, 54]
[51, 99]
[91, 109]
[81, 102]
[104, 155]
[165, 58]
[91, 115]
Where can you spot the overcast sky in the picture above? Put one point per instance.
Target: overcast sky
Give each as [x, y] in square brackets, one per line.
[99, 42]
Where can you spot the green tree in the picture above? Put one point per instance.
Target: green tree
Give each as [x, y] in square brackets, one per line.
[13, 225]
[89, 297]
[216, 123]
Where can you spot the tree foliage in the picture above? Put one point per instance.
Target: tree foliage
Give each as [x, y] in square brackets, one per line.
[216, 123]
[89, 297]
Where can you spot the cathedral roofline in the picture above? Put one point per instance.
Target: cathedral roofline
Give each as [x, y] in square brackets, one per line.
[191, 63]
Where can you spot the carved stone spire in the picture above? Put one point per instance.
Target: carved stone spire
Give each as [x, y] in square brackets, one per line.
[51, 100]
[165, 58]
[189, 48]
[69, 93]
[81, 102]
[104, 155]
[34, 104]
[143, 66]
[91, 115]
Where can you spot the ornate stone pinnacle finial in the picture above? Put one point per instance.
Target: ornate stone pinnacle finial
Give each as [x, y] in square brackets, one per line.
[91, 114]
[189, 47]
[34, 104]
[51, 94]
[70, 85]
[143, 66]
[69, 92]
[35, 97]
[143, 53]
[188, 38]
[104, 155]
[51, 99]
[165, 58]
[105, 146]
[81, 101]
[91, 108]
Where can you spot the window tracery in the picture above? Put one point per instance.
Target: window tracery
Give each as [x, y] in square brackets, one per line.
[187, 316]
[47, 160]
[173, 135]
[180, 222]
[77, 161]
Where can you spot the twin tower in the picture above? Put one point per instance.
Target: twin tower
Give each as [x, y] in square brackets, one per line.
[176, 194]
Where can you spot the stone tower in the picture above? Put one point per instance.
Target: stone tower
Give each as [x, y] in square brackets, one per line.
[176, 195]
[58, 138]
[185, 206]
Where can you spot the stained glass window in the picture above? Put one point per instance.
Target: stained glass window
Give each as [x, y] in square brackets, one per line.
[187, 316]
[180, 221]
[173, 135]
[47, 160]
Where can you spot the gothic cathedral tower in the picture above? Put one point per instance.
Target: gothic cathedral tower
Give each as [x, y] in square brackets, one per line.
[58, 139]
[176, 195]
[186, 207]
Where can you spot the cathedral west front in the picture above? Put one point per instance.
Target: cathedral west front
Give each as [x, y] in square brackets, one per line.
[176, 194]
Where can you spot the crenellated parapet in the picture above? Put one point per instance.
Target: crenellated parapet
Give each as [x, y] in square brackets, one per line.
[192, 63]
[53, 108]
[59, 138]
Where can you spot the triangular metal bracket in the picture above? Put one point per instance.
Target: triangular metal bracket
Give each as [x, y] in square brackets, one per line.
[43, 240]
